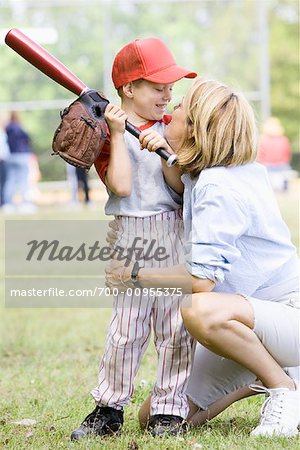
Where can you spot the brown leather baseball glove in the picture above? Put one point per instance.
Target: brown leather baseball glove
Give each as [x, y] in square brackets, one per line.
[82, 131]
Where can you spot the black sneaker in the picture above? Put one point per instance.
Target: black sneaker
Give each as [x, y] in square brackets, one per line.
[103, 421]
[163, 425]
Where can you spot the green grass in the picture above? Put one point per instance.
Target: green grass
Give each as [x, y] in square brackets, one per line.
[49, 362]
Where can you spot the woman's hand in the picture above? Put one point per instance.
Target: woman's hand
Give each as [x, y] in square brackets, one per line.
[119, 276]
[115, 118]
[151, 140]
[112, 234]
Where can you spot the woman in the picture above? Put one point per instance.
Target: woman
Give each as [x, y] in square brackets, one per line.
[240, 263]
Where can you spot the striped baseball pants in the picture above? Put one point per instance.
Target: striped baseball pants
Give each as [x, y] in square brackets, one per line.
[133, 317]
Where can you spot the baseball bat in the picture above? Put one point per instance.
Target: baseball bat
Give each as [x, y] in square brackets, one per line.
[40, 58]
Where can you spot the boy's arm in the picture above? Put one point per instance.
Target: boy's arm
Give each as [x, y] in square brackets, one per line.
[118, 174]
[152, 140]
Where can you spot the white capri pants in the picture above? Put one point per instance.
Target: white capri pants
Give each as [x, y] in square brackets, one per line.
[276, 325]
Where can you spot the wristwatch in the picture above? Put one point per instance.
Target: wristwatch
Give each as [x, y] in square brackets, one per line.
[135, 274]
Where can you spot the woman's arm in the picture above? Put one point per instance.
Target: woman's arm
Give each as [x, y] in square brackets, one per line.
[118, 176]
[174, 277]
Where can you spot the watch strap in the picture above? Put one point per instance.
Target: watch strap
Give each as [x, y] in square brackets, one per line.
[135, 274]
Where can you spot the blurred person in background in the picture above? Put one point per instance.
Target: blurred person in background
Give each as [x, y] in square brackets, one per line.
[18, 166]
[4, 154]
[73, 184]
[83, 183]
[34, 177]
[275, 153]
[78, 180]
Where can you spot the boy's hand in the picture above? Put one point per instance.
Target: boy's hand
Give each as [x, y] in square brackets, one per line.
[115, 118]
[151, 140]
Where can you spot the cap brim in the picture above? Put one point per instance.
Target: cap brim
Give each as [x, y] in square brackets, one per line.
[169, 75]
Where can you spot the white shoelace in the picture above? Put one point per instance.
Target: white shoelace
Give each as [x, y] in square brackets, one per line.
[271, 410]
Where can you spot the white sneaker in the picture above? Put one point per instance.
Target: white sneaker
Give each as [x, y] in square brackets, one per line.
[279, 412]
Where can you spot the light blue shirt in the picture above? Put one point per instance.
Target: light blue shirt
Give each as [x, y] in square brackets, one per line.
[235, 234]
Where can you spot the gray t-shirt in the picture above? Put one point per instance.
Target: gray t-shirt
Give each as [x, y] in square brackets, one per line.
[150, 194]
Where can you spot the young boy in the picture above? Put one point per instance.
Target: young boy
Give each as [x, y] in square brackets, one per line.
[146, 210]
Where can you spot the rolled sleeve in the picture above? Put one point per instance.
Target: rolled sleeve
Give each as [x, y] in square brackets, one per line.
[218, 219]
[206, 272]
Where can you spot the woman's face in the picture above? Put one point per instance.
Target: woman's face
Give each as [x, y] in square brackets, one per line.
[177, 128]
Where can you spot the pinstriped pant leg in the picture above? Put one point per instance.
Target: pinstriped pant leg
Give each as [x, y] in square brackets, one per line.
[174, 345]
[175, 349]
[127, 340]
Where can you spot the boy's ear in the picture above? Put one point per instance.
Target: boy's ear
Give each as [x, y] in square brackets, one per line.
[128, 89]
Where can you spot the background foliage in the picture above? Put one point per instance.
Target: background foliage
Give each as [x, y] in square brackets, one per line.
[218, 38]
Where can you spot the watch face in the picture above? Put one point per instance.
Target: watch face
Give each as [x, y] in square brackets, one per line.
[135, 271]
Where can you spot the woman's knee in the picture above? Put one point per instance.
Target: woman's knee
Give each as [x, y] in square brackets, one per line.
[203, 315]
[211, 312]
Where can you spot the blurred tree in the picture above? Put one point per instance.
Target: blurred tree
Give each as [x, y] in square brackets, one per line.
[215, 38]
[284, 50]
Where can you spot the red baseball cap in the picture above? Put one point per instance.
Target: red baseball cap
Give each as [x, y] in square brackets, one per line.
[149, 59]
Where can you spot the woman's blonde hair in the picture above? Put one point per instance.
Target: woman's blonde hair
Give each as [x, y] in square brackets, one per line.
[221, 128]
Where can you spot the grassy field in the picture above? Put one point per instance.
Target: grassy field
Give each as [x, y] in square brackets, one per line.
[49, 361]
